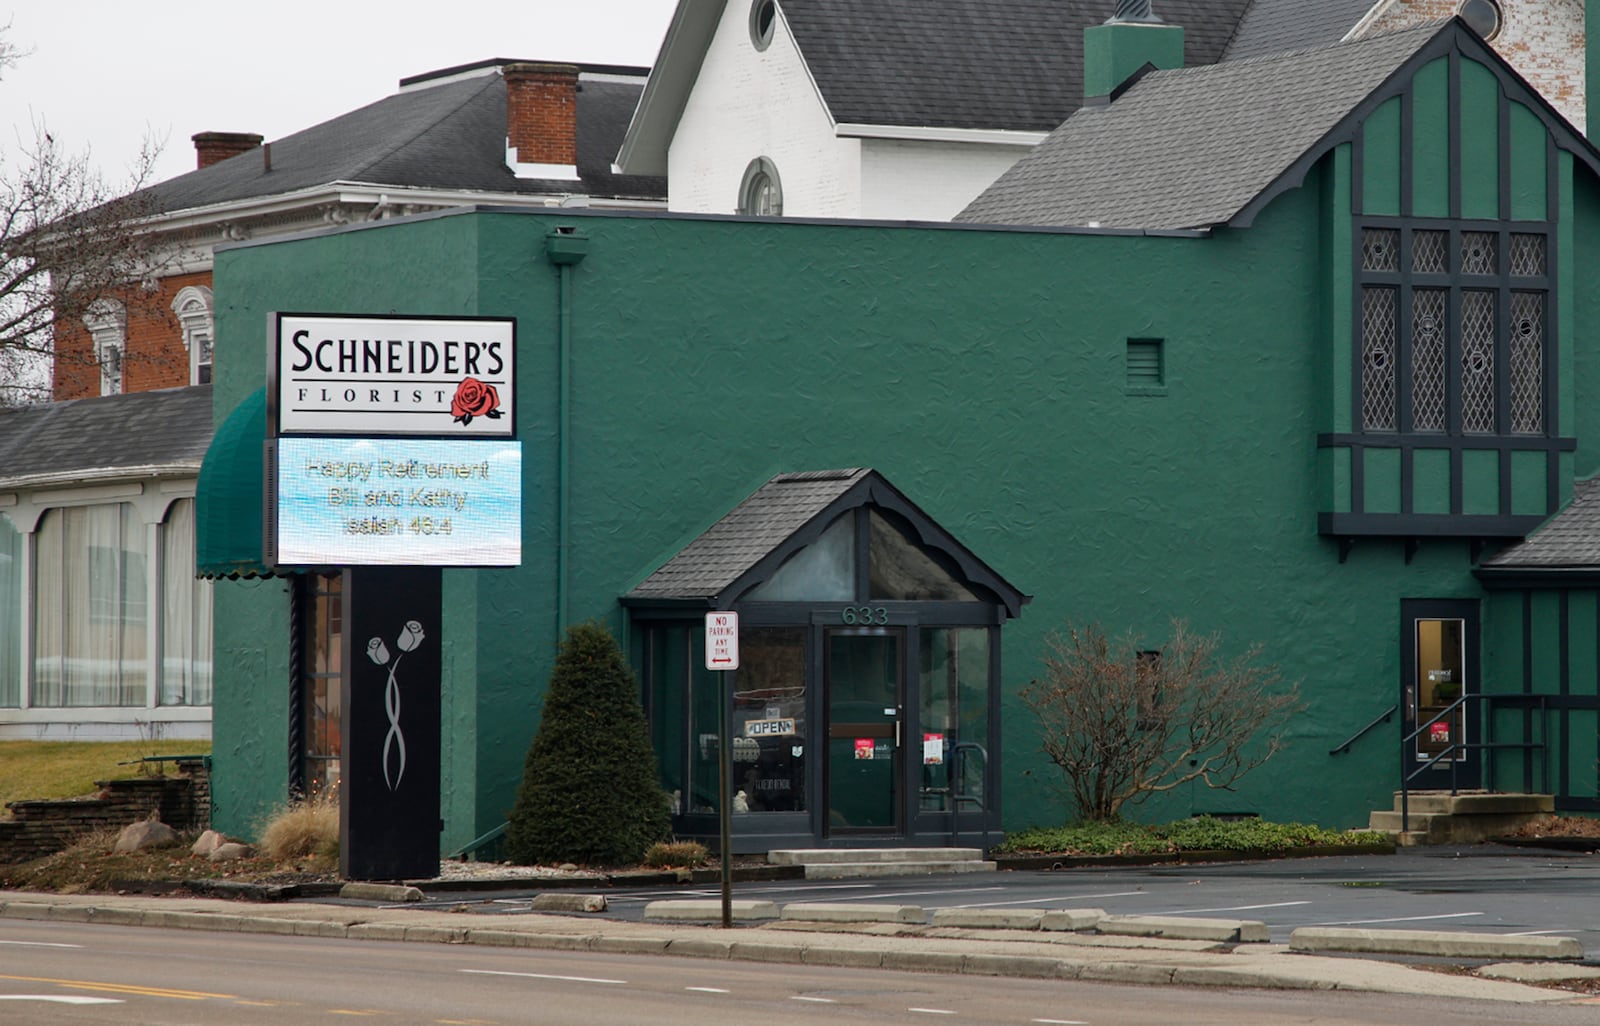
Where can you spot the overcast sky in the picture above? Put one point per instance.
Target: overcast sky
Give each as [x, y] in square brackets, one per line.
[102, 74]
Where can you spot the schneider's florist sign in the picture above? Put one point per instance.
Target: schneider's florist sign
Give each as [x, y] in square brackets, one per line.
[372, 376]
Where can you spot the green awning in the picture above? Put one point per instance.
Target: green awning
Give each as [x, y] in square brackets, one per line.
[228, 497]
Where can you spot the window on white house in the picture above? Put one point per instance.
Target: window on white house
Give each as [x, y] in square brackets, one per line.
[11, 542]
[192, 306]
[761, 193]
[90, 607]
[107, 321]
[185, 613]
[763, 19]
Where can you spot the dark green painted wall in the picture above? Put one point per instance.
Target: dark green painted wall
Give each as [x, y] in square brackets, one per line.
[982, 372]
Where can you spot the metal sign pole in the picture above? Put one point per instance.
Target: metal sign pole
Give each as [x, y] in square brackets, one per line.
[722, 655]
[724, 776]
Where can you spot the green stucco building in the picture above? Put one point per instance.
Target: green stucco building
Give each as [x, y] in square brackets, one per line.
[1298, 349]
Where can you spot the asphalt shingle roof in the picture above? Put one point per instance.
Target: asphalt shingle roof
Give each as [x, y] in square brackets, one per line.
[446, 136]
[1190, 148]
[733, 545]
[1272, 26]
[1568, 540]
[165, 428]
[1000, 64]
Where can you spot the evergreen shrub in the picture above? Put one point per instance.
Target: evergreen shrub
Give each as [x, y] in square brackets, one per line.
[589, 793]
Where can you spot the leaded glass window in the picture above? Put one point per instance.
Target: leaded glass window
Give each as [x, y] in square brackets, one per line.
[1527, 362]
[1447, 345]
[1428, 311]
[1377, 359]
[1477, 362]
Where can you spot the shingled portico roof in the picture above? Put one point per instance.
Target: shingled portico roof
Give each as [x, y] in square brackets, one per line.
[786, 514]
[1198, 147]
[1567, 543]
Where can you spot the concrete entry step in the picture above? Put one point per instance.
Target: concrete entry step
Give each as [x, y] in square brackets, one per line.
[851, 863]
[1467, 817]
[1476, 803]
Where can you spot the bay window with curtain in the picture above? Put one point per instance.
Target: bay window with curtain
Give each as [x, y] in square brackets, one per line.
[11, 542]
[185, 613]
[90, 608]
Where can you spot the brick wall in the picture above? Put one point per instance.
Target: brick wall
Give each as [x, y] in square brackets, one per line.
[154, 355]
[1542, 39]
[44, 827]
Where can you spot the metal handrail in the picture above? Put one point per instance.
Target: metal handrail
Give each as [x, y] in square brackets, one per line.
[1387, 715]
[958, 753]
[1452, 750]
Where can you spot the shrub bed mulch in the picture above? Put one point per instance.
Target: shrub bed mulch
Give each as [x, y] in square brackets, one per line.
[1034, 861]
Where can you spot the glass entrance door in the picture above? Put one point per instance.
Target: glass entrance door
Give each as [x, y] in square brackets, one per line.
[1440, 668]
[864, 701]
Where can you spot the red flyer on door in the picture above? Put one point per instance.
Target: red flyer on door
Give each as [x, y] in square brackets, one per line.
[864, 747]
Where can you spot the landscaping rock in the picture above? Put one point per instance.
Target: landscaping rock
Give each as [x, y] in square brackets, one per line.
[229, 851]
[207, 843]
[147, 833]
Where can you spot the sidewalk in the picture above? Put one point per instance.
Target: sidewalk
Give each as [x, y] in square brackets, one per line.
[987, 952]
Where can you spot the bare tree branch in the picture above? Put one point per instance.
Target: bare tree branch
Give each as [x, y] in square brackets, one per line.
[67, 239]
[1124, 722]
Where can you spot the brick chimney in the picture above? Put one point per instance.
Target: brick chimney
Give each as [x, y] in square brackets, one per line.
[210, 147]
[542, 120]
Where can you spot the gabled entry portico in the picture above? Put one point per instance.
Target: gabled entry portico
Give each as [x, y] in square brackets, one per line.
[866, 706]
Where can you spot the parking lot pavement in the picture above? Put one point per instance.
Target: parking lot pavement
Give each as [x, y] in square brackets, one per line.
[1481, 888]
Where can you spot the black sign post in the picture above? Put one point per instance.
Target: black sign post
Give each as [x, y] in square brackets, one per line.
[389, 811]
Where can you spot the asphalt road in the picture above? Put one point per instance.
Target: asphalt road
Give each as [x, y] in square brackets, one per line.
[1479, 888]
[73, 974]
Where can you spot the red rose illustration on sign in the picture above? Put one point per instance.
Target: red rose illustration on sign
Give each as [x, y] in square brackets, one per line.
[474, 399]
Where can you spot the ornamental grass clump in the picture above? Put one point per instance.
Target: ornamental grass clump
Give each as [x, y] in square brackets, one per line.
[305, 829]
[589, 793]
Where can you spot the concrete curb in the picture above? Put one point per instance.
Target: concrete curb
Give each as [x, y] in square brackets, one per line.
[1244, 931]
[707, 910]
[357, 891]
[1432, 942]
[568, 903]
[842, 912]
[1006, 953]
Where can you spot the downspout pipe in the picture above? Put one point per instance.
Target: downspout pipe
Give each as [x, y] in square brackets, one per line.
[566, 247]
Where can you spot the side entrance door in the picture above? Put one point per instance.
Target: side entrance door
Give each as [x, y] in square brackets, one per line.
[864, 693]
[1438, 666]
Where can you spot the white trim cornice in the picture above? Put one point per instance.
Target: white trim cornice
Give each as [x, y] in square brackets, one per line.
[920, 133]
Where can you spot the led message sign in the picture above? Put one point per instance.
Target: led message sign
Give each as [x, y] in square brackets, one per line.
[368, 375]
[395, 502]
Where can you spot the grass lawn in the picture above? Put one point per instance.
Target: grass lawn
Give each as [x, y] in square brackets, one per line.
[69, 769]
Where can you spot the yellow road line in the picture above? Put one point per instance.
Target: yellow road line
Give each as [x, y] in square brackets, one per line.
[120, 988]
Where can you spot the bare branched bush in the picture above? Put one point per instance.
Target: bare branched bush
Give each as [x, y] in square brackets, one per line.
[1123, 720]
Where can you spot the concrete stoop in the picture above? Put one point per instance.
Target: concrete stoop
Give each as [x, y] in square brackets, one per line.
[850, 863]
[1466, 817]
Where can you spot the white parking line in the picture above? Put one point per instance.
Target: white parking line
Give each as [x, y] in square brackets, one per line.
[543, 976]
[709, 990]
[820, 1001]
[1396, 919]
[1229, 908]
[921, 894]
[933, 1011]
[1040, 901]
[1536, 933]
[39, 944]
[1063, 1022]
